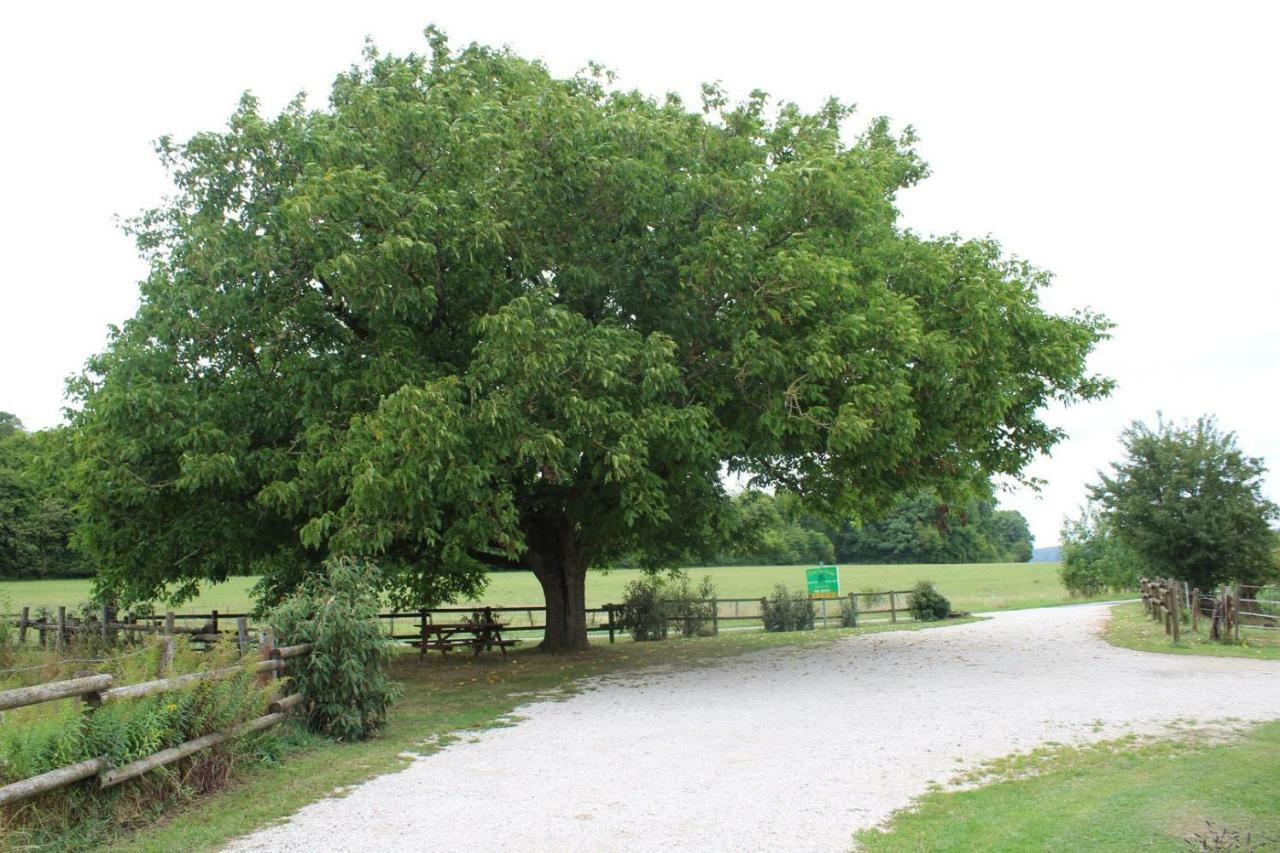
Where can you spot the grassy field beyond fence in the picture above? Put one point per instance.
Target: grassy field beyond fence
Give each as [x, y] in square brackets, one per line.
[972, 586]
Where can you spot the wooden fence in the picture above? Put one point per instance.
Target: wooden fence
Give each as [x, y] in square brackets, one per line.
[58, 631]
[211, 627]
[1257, 607]
[95, 691]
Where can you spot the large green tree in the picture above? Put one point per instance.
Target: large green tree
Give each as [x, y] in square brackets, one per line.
[1189, 502]
[472, 315]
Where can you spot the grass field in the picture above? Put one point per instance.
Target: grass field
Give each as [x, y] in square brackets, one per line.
[443, 699]
[974, 587]
[1131, 628]
[1117, 796]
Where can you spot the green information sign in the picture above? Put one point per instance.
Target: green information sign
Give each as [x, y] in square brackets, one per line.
[824, 582]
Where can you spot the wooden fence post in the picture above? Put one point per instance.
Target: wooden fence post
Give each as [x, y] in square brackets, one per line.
[715, 617]
[61, 640]
[608, 609]
[22, 624]
[242, 633]
[86, 701]
[266, 651]
[764, 606]
[213, 620]
[1165, 598]
[166, 657]
[1175, 613]
[168, 622]
[1195, 610]
[106, 623]
[893, 608]
[1235, 611]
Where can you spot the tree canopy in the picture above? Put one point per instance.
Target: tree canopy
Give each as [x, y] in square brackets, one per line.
[918, 528]
[1189, 502]
[472, 315]
[36, 513]
[1094, 558]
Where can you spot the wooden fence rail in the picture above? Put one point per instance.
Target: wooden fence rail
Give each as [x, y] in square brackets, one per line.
[97, 690]
[215, 626]
[1227, 611]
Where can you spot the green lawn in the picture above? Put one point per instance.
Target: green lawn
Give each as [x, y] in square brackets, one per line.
[1131, 628]
[1115, 796]
[444, 698]
[973, 587]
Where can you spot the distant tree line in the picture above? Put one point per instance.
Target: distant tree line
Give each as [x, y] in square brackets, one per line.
[36, 513]
[920, 528]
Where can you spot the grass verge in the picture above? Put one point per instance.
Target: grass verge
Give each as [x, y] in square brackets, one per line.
[443, 700]
[1130, 628]
[1119, 795]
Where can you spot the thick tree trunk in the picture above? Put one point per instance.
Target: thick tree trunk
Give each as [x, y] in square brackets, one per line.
[564, 587]
[560, 565]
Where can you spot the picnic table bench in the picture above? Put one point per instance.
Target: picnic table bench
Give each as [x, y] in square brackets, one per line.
[478, 635]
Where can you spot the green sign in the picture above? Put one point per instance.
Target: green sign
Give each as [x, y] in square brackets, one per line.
[824, 582]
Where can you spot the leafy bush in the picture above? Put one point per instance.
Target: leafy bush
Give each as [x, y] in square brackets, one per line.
[691, 606]
[651, 603]
[346, 690]
[849, 612]
[788, 611]
[927, 604]
[643, 613]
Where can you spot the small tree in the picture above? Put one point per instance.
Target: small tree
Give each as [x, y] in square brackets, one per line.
[1094, 558]
[1190, 503]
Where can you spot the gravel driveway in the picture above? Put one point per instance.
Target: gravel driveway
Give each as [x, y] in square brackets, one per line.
[789, 749]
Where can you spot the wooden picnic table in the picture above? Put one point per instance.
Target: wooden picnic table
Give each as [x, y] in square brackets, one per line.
[477, 635]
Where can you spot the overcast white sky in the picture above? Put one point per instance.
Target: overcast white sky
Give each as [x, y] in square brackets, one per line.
[1129, 148]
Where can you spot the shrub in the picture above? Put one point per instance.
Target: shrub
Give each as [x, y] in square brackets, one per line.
[849, 612]
[651, 603]
[643, 613]
[346, 690]
[691, 606]
[927, 604]
[788, 611]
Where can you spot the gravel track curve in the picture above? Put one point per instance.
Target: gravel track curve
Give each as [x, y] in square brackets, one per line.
[787, 749]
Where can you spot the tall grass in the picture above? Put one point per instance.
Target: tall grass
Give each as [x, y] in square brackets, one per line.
[41, 738]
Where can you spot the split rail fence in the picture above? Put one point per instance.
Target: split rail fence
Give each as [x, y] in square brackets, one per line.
[1224, 611]
[94, 691]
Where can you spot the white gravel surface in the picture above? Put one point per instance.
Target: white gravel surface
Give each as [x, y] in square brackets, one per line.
[789, 749]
